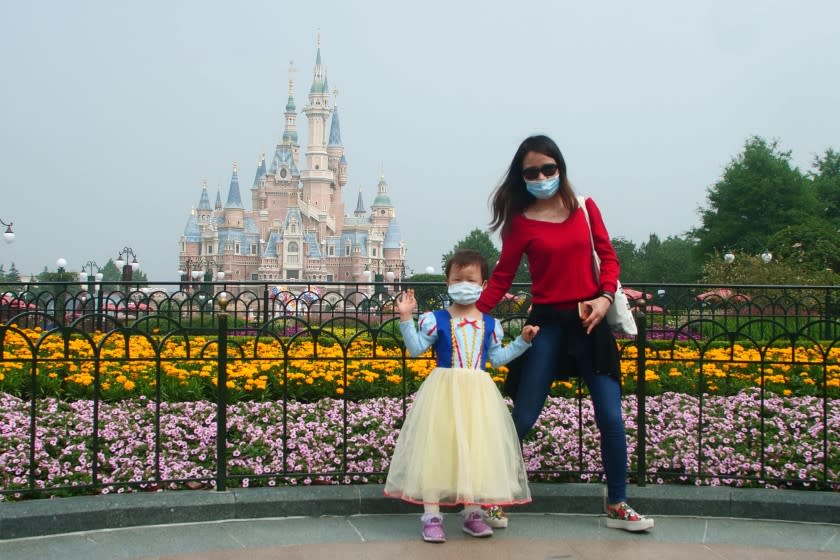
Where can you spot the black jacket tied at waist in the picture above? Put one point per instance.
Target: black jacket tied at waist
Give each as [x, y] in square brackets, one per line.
[605, 360]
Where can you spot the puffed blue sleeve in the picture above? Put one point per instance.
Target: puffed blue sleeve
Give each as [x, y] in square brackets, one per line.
[500, 355]
[419, 340]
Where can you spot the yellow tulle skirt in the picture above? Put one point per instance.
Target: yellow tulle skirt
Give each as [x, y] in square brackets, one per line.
[458, 445]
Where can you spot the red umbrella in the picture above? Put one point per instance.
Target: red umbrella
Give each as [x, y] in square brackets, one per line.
[721, 294]
[636, 294]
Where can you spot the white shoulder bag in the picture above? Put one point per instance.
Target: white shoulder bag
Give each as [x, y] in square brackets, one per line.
[619, 315]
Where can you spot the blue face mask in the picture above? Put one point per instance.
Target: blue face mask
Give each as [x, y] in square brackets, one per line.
[545, 188]
[464, 293]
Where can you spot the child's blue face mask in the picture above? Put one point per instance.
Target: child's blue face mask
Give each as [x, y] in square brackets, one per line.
[464, 293]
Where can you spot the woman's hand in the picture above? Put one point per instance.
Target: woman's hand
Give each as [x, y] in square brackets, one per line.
[406, 304]
[593, 312]
[529, 332]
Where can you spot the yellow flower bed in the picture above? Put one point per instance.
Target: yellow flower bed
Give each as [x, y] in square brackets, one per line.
[301, 368]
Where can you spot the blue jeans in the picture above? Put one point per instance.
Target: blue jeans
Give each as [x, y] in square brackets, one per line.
[538, 374]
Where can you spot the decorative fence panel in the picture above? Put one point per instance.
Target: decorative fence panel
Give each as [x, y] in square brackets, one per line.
[131, 388]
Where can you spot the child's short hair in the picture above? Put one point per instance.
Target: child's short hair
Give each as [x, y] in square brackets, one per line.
[467, 257]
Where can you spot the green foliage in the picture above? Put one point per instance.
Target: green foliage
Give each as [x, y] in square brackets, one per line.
[826, 180]
[477, 240]
[429, 295]
[673, 260]
[759, 194]
[480, 241]
[750, 269]
[813, 244]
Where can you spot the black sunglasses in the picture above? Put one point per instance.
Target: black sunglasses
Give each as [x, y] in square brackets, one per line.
[531, 173]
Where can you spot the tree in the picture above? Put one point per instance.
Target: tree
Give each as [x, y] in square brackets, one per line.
[813, 245]
[480, 241]
[477, 240]
[13, 275]
[826, 181]
[750, 269]
[759, 194]
[428, 297]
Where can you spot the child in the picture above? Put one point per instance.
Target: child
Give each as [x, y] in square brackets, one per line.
[458, 444]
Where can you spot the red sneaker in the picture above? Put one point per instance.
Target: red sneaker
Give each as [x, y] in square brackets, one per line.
[622, 516]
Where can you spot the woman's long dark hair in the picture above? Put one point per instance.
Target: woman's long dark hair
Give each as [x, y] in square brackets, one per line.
[511, 197]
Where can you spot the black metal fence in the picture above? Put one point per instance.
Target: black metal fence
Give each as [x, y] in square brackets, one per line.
[257, 384]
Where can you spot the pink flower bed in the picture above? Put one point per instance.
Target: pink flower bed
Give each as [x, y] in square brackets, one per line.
[729, 452]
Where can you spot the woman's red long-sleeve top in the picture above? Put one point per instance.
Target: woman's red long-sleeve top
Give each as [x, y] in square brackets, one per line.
[559, 259]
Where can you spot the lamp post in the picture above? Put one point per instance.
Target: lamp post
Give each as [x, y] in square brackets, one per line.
[90, 280]
[194, 269]
[127, 267]
[8, 235]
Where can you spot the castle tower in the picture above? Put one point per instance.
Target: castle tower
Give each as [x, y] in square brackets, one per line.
[317, 176]
[234, 212]
[338, 165]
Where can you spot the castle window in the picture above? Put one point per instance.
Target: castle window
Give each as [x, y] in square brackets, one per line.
[236, 248]
[254, 276]
[347, 249]
[253, 248]
[293, 247]
[373, 252]
[332, 251]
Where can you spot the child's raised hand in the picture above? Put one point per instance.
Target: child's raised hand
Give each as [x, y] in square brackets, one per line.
[529, 332]
[406, 304]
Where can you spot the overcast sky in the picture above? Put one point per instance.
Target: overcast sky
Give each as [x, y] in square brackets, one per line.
[113, 113]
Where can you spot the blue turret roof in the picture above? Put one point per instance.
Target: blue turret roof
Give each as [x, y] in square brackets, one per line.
[219, 197]
[192, 233]
[360, 206]
[335, 129]
[393, 237]
[234, 199]
[204, 201]
[354, 239]
[271, 244]
[260, 171]
[311, 241]
[283, 155]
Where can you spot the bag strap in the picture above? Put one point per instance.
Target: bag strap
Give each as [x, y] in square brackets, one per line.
[596, 260]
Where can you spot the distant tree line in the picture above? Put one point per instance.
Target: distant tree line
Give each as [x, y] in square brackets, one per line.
[761, 205]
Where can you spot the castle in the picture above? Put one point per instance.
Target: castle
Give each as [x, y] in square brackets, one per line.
[298, 229]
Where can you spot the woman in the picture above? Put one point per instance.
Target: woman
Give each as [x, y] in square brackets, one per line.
[539, 216]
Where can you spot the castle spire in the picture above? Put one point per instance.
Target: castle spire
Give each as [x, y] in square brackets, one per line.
[260, 170]
[204, 202]
[360, 206]
[234, 199]
[335, 128]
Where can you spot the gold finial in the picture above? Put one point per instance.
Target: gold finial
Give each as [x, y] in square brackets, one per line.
[204, 184]
[382, 170]
[234, 167]
[318, 40]
[335, 97]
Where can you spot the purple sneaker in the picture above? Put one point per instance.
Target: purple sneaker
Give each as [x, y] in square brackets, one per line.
[475, 525]
[433, 529]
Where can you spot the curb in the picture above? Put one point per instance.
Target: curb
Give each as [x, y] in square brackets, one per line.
[89, 513]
